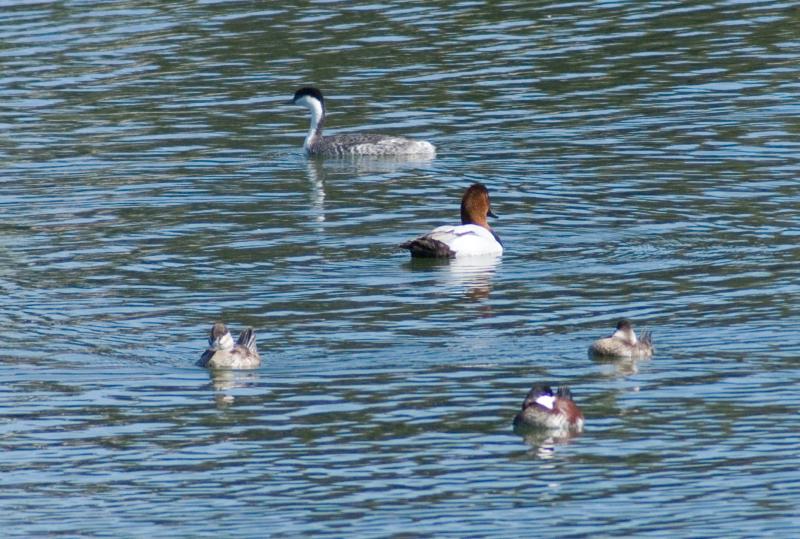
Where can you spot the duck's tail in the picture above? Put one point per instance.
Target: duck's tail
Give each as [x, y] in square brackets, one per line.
[646, 338]
[426, 247]
[564, 392]
[248, 339]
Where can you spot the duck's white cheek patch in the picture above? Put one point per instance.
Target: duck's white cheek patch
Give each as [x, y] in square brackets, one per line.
[226, 341]
[546, 401]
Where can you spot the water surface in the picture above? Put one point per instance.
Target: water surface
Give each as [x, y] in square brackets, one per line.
[643, 159]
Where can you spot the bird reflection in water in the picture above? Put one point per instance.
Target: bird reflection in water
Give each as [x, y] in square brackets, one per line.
[319, 171]
[618, 368]
[544, 442]
[473, 274]
[225, 381]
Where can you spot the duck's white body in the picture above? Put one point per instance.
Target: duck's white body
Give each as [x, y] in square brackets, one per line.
[466, 240]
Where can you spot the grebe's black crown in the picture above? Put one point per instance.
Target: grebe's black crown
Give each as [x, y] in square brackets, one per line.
[310, 91]
[624, 324]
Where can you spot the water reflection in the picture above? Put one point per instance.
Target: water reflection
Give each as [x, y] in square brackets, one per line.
[358, 165]
[617, 368]
[472, 274]
[223, 380]
[646, 166]
[316, 179]
[544, 442]
[320, 170]
[373, 164]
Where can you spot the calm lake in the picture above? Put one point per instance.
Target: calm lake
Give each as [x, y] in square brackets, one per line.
[643, 158]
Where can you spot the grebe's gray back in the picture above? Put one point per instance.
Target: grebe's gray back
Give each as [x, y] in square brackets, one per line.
[355, 143]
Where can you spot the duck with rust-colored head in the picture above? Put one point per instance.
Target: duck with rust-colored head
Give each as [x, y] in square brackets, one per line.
[223, 353]
[623, 344]
[473, 237]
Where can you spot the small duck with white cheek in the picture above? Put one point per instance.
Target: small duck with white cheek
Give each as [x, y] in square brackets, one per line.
[223, 353]
[545, 410]
[473, 237]
[623, 344]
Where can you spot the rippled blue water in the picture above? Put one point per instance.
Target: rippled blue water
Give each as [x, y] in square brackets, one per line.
[643, 159]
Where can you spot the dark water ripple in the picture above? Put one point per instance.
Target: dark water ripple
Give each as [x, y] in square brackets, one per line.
[643, 160]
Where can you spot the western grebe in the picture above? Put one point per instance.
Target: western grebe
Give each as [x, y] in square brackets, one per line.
[355, 143]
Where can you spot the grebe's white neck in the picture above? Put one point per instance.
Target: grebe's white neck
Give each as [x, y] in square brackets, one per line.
[317, 118]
